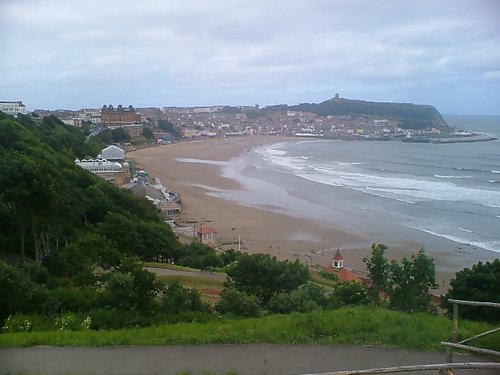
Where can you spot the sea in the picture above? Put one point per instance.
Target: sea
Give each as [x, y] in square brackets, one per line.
[386, 190]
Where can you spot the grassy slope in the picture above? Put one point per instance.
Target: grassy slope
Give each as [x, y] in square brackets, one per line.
[356, 325]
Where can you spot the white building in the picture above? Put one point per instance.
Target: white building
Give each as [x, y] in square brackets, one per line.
[13, 107]
[91, 115]
[99, 165]
[109, 165]
[113, 153]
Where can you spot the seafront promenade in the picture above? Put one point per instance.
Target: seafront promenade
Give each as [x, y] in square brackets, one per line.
[217, 359]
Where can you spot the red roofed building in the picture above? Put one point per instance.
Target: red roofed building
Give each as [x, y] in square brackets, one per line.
[206, 234]
[338, 260]
[344, 274]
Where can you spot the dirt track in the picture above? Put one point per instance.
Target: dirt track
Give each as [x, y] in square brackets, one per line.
[219, 359]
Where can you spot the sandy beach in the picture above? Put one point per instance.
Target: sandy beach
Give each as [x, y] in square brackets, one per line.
[262, 229]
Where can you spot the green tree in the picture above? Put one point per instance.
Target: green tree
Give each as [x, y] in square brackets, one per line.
[349, 293]
[18, 292]
[119, 135]
[199, 255]
[158, 241]
[31, 186]
[263, 275]
[479, 283]
[129, 287]
[168, 127]
[176, 299]
[411, 281]
[306, 298]
[79, 259]
[238, 303]
[378, 271]
[147, 133]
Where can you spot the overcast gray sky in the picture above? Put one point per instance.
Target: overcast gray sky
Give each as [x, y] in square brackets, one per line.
[86, 53]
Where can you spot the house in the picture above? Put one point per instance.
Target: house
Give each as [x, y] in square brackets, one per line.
[168, 202]
[206, 234]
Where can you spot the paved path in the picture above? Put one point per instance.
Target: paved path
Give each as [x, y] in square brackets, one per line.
[219, 359]
[202, 274]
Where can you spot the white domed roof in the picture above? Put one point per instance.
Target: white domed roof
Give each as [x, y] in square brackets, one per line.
[113, 153]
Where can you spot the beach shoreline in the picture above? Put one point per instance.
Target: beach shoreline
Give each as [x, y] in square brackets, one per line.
[195, 170]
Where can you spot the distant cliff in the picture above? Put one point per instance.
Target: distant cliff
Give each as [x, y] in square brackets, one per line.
[410, 116]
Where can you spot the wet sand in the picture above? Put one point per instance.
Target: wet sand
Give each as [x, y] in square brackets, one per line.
[262, 229]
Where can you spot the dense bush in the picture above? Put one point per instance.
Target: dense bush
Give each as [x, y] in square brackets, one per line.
[479, 283]
[263, 275]
[304, 299]
[238, 303]
[176, 299]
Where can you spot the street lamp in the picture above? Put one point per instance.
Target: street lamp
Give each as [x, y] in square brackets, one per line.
[239, 240]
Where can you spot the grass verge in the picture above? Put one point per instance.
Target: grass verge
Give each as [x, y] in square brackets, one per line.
[353, 325]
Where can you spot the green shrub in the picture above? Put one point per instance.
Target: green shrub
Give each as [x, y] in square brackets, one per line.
[306, 298]
[17, 323]
[329, 275]
[176, 299]
[238, 303]
[349, 293]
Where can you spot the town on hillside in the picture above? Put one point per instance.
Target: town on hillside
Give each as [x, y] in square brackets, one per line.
[169, 124]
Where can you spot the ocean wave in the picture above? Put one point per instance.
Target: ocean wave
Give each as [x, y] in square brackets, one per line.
[403, 188]
[465, 230]
[202, 161]
[496, 172]
[302, 142]
[488, 245]
[348, 164]
[451, 177]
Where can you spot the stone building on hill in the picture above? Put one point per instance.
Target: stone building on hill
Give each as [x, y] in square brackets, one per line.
[119, 116]
[13, 108]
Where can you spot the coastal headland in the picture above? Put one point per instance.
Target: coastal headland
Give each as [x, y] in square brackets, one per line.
[268, 230]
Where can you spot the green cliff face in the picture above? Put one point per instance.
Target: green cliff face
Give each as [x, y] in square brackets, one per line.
[410, 116]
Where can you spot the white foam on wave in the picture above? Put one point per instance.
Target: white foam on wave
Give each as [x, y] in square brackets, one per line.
[202, 161]
[302, 142]
[349, 163]
[465, 230]
[496, 172]
[488, 245]
[405, 188]
[451, 177]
